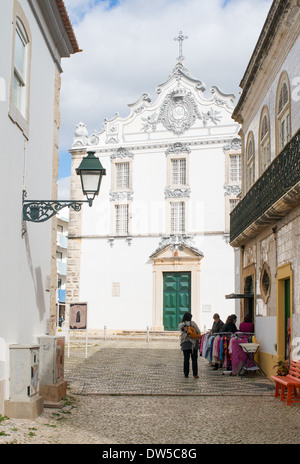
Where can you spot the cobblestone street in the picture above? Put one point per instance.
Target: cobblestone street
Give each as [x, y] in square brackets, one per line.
[134, 392]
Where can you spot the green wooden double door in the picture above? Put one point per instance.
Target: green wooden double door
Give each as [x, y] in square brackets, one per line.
[176, 298]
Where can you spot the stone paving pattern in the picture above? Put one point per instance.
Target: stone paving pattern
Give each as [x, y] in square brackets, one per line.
[134, 392]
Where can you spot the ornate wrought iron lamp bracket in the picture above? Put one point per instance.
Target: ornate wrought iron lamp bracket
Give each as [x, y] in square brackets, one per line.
[40, 211]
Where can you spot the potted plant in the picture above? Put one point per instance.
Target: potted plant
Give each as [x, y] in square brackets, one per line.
[282, 368]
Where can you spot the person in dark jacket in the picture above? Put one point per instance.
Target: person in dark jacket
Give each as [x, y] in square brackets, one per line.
[189, 346]
[230, 326]
[217, 325]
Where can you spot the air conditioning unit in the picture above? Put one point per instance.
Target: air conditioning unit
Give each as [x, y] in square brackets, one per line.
[24, 372]
[52, 351]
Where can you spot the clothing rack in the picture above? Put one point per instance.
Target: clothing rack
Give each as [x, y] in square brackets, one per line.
[221, 353]
[236, 334]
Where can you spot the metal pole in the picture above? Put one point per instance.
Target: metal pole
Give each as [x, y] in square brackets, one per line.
[68, 343]
[147, 333]
[105, 332]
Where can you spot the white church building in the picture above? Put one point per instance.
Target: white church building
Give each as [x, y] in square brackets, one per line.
[156, 241]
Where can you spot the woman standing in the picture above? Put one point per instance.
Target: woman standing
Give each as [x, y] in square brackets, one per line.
[189, 346]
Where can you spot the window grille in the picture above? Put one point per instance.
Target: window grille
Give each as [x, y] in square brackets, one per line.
[235, 168]
[178, 217]
[122, 175]
[179, 171]
[121, 219]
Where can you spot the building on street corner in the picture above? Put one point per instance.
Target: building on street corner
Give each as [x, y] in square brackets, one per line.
[265, 224]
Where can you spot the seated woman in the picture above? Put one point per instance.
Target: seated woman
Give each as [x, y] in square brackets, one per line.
[247, 325]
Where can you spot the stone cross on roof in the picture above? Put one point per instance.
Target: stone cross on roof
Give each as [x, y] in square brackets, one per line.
[180, 39]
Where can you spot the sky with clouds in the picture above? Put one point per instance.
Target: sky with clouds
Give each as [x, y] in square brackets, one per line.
[128, 49]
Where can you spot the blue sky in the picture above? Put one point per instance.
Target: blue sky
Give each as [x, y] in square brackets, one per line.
[128, 49]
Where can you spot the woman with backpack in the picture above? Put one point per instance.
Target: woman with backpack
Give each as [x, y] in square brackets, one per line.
[189, 342]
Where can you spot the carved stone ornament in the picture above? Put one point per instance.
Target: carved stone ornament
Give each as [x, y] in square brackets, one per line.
[177, 192]
[119, 196]
[121, 153]
[177, 148]
[265, 282]
[178, 111]
[232, 189]
[234, 144]
[177, 242]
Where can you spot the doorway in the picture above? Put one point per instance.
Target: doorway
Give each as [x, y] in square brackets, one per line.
[284, 311]
[176, 298]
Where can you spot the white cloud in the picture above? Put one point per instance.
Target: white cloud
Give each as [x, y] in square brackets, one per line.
[64, 188]
[129, 50]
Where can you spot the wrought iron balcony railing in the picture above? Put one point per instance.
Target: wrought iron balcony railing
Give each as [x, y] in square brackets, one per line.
[281, 176]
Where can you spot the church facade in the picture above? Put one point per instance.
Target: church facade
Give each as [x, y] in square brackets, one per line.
[156, 241]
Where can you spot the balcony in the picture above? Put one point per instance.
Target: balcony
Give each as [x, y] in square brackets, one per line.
[272, 196]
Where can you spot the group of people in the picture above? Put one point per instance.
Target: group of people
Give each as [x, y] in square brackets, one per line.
[190, 346]
[230, 324]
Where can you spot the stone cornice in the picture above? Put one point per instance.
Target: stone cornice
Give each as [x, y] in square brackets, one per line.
[149, 146]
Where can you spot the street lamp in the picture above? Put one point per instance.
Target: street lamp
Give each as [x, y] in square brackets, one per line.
[90, 171]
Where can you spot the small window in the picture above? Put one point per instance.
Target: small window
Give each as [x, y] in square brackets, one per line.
[20, 68]
[122, 176]
[121, 219]
[178, 171]
[249, 178]
[235, 173]
[177, 217]
[283, 112]
[265, 156]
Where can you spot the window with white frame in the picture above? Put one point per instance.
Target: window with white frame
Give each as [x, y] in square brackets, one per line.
[235, 169]
[122, 175]
[177, 223]
[178, 171]
[250, 162]
[283, 113]
[20, 68]
[122, 219]
[264, 142]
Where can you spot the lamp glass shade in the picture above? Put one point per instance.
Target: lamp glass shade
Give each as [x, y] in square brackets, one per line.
[91, 172]
[90, 182]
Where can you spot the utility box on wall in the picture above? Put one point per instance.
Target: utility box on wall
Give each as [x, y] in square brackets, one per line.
[52, 351]
[53, 386]
[24, 372]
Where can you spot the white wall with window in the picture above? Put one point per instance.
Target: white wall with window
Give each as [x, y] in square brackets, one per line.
[275, 121]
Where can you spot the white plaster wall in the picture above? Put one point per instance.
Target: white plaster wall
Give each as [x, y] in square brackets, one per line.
[130, 267]
[24, 299]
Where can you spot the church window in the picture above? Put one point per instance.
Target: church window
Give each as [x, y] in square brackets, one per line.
[235, 168]
[177, 217]
[283, 113]
[178, 171]
[264, 140]
[122, 216]
[122, 175]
